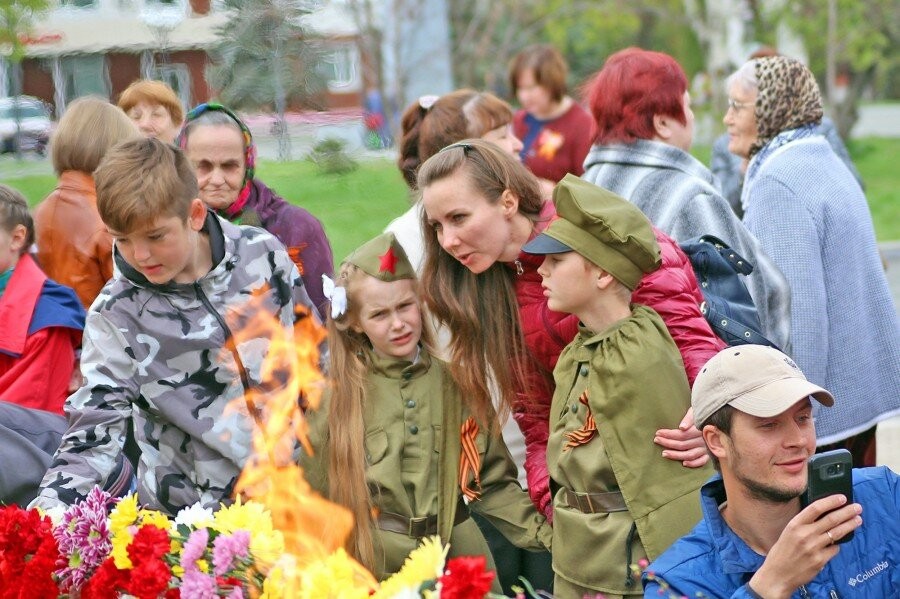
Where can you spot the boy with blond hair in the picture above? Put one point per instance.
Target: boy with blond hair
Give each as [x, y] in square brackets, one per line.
[618, 382]
[160, 360]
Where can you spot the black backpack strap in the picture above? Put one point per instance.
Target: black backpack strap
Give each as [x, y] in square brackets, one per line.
[738, 263]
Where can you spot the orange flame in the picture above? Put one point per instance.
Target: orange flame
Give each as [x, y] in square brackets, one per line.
[291, 380]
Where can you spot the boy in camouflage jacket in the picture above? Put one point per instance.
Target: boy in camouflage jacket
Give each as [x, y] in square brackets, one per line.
[160, 361]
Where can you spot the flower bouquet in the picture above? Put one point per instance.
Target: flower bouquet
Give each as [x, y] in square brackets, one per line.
[105, 547]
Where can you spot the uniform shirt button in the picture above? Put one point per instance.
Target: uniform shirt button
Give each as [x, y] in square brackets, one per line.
[583, 371]
[414, 429]
[573, 408]
[411, 403]
[407, 375]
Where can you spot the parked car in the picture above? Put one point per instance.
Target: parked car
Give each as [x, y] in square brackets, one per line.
[35, 124]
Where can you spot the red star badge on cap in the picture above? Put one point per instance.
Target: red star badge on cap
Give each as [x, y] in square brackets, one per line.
[388, 261]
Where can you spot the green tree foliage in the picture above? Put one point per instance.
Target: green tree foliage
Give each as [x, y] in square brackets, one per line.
[863, 45]
[266, 57]
[16, 18]
[487, 35]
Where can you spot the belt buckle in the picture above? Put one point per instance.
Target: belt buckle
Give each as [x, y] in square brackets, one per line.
[418, 527]
[584, 503]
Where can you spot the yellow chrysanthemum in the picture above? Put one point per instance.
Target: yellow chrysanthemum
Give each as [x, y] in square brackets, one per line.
[120, 542]
[334, 577]
[266, 543]
[273, 585]
[426, 562]
[124, 514]
[157, 519]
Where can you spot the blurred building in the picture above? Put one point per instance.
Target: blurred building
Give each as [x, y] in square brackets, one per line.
[99, 47]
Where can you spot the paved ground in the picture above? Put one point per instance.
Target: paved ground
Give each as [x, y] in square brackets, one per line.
[878, 120]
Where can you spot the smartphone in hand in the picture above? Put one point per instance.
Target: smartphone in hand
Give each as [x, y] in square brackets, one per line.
[830, 473]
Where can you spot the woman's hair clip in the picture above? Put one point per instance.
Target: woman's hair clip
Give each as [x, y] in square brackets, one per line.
[427, 101]
[466, 148]
[337, 296]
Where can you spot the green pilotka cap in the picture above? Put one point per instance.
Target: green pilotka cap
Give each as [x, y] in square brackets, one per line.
[606, 229]
[383, 258]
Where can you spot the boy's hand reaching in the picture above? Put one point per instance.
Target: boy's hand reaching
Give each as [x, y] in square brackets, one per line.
[683, 444]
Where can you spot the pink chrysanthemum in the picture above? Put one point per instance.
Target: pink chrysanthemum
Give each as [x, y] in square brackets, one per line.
[84, 539]
[228, 547]
[197, 585]
[194, 549]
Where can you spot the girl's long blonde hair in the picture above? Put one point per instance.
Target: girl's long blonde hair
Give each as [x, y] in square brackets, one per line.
[350, 363]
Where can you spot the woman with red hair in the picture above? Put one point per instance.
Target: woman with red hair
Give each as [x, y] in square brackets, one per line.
[644, 127]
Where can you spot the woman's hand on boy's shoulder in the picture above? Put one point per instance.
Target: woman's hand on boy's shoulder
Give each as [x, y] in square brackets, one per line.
[683, 444]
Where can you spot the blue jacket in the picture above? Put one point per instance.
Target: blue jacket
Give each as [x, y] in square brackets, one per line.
[712, 561]
[813, 221]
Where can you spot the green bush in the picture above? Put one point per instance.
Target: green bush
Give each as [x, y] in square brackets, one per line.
[330, 155]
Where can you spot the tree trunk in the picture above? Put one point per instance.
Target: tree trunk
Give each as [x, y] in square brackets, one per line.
[845, 113]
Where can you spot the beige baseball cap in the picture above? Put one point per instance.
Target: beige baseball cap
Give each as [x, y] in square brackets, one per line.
[755, 379]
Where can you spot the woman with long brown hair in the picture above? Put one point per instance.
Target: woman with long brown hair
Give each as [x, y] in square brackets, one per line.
[480, 207]
[429, 124]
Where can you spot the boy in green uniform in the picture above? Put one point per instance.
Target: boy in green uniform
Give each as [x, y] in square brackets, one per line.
[616, 499]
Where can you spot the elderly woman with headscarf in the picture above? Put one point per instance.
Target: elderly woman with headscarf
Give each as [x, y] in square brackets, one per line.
[221, 149]
[812, 218]
[644, 129]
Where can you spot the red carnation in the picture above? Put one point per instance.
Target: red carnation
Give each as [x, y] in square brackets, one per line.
[105, 583]
[465, 578]
[149, 543]
[37, 576]
[149, 578]
[28, 554]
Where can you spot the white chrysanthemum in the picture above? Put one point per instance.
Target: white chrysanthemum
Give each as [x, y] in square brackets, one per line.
[56, 514]
[194, 516]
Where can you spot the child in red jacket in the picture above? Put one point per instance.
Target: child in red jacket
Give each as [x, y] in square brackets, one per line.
[40, 320]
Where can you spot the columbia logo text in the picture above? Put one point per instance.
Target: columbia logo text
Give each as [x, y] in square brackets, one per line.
[864, 576]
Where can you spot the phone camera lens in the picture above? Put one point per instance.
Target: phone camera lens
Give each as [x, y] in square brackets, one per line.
[833, 469]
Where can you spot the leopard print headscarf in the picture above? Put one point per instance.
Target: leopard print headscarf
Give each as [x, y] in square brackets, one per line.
[788, 97]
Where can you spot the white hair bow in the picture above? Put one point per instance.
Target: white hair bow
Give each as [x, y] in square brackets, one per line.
[337, 296]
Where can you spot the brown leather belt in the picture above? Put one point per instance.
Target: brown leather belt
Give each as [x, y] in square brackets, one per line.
[596, 503]
[418, 527]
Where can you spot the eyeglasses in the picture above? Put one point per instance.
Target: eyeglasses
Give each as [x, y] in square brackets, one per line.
[738, 106]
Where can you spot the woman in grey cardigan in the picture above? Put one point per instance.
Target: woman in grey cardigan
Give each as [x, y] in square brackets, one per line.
[644, 129]
[812, 217]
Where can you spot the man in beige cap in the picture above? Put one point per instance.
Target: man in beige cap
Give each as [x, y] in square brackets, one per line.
[617, 383]
[754, 408]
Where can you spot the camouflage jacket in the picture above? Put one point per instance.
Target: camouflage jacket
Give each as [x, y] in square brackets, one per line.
[159, 363]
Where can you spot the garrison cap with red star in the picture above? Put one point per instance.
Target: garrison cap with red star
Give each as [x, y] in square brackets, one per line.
[383, 258]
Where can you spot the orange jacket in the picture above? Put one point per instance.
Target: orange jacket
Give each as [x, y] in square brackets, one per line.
[74, 247]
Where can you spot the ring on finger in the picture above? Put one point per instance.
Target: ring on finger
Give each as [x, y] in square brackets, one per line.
[830, 538]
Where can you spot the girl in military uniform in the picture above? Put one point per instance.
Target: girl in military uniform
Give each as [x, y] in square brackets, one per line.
[394, 441]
